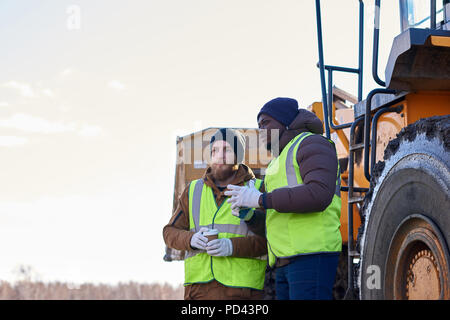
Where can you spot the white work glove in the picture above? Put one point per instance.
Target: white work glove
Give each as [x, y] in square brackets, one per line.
[220, 247]
[243, 197]
[198, 240]
[243, 213]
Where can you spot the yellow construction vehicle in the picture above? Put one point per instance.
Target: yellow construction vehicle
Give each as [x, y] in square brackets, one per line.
[395, 158]
[394, 153]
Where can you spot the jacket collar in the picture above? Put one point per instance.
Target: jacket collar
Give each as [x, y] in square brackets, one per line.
[243, 174]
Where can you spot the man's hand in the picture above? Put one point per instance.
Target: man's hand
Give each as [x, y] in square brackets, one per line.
[243, 197]
[243, 213]
[220, 247]
[198, 240]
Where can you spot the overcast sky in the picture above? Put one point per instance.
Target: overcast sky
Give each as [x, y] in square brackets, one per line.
[93, 94]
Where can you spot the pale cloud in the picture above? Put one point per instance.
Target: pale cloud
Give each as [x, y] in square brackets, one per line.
[49, 93]
[117, 85]
[23, 88]
[90, 131]
[29, 123]
[12, 141]
[33, 124]
[66, 72]
[64, 108]
[4, 104]
[26, 90]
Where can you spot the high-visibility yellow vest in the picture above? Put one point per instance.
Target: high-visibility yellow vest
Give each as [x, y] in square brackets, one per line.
[199, 267]
[293, 234]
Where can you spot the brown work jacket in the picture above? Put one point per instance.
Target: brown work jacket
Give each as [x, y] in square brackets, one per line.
[177, 236]
[318, 164]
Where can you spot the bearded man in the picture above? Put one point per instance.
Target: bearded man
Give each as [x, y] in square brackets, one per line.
[232, 266]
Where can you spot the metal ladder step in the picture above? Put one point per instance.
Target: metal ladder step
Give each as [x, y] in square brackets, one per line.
[356, 199]
[354, 254]
[358, 146]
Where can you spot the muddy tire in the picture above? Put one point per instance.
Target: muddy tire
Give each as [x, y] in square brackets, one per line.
[406, 229]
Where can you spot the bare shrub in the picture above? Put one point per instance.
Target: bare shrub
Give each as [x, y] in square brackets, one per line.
[31, 290]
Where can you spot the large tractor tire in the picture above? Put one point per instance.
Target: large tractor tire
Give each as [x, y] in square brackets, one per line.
[406, 229]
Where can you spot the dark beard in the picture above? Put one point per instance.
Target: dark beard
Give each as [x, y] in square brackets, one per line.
[223, 172]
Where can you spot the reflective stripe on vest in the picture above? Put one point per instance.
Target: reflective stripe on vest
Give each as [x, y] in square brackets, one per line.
[240, 229]
[230, 271]
[292, 234]
[290, 169]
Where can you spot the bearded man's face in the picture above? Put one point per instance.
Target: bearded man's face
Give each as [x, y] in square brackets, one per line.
[223, 159]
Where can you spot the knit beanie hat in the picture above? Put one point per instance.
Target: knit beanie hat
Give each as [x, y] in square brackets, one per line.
[234, 138]
[284, 110]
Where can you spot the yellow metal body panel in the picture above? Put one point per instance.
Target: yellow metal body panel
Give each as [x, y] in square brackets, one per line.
[388, 125]
[424, 104]
[440, 41]
[416, 106]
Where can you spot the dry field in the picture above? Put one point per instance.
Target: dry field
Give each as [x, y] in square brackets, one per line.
[29, 290]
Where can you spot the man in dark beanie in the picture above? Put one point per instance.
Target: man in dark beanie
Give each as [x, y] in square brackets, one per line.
[284, 110]
[228, 267]
[302, 202]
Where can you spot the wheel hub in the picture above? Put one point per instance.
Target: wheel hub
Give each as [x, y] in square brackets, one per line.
[422, 279]
[417, 267]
